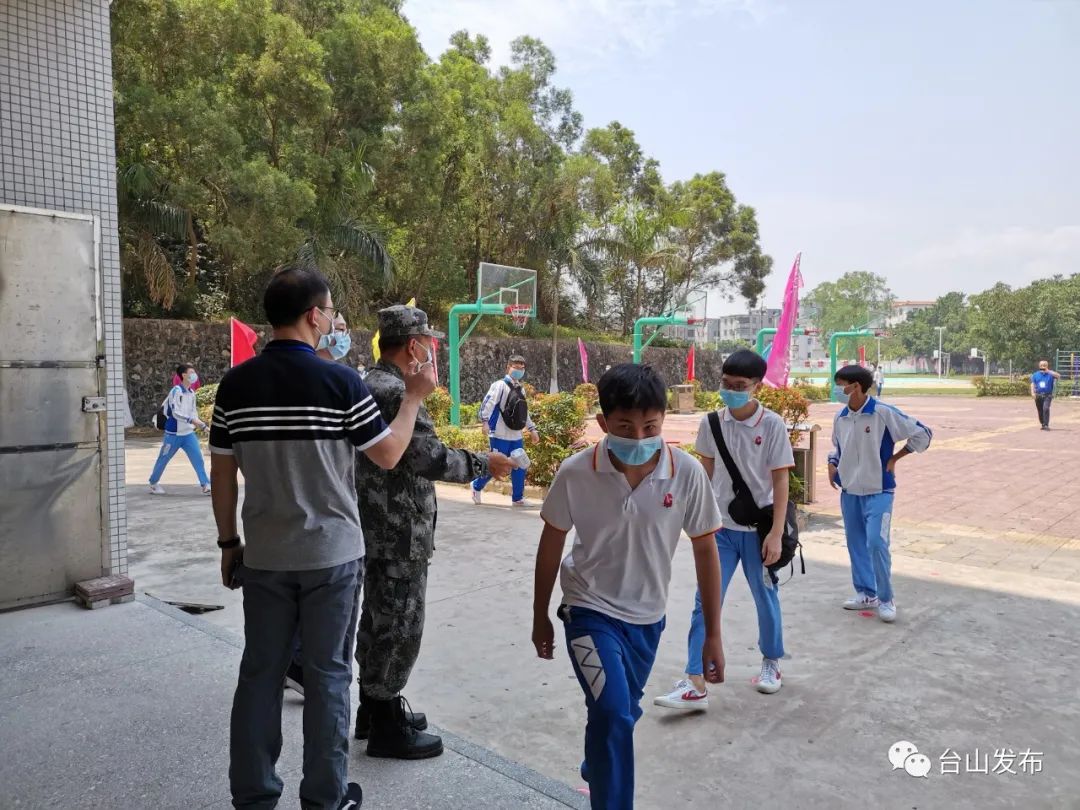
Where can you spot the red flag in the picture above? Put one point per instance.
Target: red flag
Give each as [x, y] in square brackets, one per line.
[862, 355]
[242, 339]
[584, 355]
[690, 364]
[435, 358]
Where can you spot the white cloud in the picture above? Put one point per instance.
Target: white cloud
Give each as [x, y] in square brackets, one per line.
[974, 259]
[581, 33]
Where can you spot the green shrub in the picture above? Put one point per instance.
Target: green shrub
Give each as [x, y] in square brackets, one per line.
[1000, 387]
[589, 393]
[204, 401]
[463, 438]
[438, 405]
[530, 390]
[470, 413]
[790, 403]
[813, 393]
[560, 420]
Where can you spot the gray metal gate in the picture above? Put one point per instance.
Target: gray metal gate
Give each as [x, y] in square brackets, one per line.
[52, 403]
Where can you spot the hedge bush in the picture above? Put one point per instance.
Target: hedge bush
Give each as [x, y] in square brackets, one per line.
[813, 393]
[470, 413]
[560, 420]
[589, 393]
[204, 401]
[1001, 387]
[438, 405]
[463, 438]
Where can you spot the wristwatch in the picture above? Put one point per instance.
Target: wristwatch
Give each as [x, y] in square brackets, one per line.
[232, 542]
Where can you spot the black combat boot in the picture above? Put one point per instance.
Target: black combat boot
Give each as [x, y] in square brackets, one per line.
[392, 736]
[417, 720]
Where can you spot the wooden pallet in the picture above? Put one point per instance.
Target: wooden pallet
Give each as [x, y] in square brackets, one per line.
[111, 590]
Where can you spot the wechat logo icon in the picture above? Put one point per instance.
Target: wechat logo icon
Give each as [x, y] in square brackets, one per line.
[905, 755]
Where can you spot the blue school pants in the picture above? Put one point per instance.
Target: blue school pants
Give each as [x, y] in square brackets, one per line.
[867, 525]
[190, 445]
[517, 475]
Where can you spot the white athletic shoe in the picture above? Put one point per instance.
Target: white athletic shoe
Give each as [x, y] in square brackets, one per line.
[684, 696]
[157, 489]
[768, 681]
[861, 601]
[206, 490]
[476, 493]
[524, 504]
[887, 612]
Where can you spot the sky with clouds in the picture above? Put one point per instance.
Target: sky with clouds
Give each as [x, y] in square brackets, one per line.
[935, 143]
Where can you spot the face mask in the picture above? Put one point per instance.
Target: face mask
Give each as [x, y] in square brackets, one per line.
[324, 340]
[839, 395]
[192, 378]
[634, 452]
[517, 373]
[341, 345]
[734, 399]
[421, 364]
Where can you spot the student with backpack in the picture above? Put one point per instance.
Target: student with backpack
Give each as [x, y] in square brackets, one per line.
[181, 418]
[747, 454]
[504, 417]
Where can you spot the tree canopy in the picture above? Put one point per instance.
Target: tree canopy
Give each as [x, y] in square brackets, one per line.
[254, 132]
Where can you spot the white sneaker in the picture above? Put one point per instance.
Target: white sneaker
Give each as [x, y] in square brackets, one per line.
[476, 493]
[206, 490]
[768, 681]
[684, 696]
[861, 601]
[524, 504]
[157, 489]
[887, 612]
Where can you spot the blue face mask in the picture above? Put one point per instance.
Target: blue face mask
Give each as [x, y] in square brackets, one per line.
[341, 345]
[839, 395]
[517, 373]
[734, 399]
[634, 452]
[192, 378]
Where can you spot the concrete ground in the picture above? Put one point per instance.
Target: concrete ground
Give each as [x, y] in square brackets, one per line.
[980, 661]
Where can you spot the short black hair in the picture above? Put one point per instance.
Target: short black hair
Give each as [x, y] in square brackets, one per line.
[292, 291]
[515, 358]
[745, 363]
[631, 387]
[392, 344]
[182, 368]
[856, 374]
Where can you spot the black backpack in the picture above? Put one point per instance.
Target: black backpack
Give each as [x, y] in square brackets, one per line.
[515, 409]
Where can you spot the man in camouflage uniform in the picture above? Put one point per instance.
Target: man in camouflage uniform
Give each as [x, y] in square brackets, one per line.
[398, 512]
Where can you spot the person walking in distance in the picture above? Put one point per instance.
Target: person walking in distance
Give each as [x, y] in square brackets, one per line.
[181, 421]
[293, 422]
[879, 379]
[1042, 389]
[399, 510]
[504, 418]
[862, 465]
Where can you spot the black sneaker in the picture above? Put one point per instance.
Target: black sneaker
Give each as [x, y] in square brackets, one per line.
[294, 679]
[354, 797]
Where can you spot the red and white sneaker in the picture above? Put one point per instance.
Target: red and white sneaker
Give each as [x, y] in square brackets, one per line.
[684, 696]
[769, 679]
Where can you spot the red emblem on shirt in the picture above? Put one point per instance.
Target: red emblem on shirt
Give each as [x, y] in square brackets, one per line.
[757, 440]
[867, 428]
[668, 500]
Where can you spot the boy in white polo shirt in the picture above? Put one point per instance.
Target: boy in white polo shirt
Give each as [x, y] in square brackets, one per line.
[629, 498]
[757, 440]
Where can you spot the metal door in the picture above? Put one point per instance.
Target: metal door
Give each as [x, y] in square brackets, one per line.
[52, 402]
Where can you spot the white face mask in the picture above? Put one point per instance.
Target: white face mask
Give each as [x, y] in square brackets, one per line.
[422, 364]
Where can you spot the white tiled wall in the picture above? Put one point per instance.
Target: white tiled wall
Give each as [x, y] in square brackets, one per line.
[57, 151]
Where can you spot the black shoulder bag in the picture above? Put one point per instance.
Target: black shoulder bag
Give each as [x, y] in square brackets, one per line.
[745, 511]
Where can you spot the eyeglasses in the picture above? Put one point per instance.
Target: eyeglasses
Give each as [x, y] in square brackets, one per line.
[331, 312]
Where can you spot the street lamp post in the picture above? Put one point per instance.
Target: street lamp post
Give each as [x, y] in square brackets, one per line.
[940, 359]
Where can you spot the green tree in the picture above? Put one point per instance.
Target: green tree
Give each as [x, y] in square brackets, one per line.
[855, 300]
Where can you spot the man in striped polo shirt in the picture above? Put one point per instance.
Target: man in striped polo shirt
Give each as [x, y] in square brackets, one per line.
[290, 420]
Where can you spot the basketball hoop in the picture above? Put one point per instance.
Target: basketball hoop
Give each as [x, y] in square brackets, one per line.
[520, 314]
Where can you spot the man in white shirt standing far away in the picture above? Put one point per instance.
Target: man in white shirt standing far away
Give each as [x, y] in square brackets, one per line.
[504, 417]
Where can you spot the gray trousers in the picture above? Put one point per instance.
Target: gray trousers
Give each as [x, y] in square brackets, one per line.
[391, 625]
[1042, 405]
[321, 605]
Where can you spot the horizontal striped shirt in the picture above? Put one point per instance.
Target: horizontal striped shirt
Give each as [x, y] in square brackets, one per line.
[292, 420]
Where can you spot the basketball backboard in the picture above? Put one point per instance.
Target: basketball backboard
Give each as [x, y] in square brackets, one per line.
[514, 288]
[691, 306]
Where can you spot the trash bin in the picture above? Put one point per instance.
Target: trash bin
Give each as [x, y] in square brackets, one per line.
[806, 459]
[684, 398]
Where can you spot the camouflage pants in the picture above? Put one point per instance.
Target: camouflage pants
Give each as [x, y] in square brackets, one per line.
[391, 625]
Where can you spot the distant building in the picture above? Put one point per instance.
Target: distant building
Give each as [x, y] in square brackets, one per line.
[902, 310]
[745, 327]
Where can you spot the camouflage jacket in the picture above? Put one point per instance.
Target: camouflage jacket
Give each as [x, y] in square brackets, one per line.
[398, 507]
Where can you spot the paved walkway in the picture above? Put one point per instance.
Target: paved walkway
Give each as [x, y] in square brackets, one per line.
[982, 657]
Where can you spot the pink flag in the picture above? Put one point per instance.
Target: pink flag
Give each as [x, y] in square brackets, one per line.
[780, 356]
[690, 363]
[242, 339]
[584, 360]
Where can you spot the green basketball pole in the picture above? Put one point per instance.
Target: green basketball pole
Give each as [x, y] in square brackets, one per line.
[457, 311]
[657, 321]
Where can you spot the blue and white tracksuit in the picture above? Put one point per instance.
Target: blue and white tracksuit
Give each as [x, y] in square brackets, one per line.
[612, 660]
[863, 443]
[180, 416]
[503, 439]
